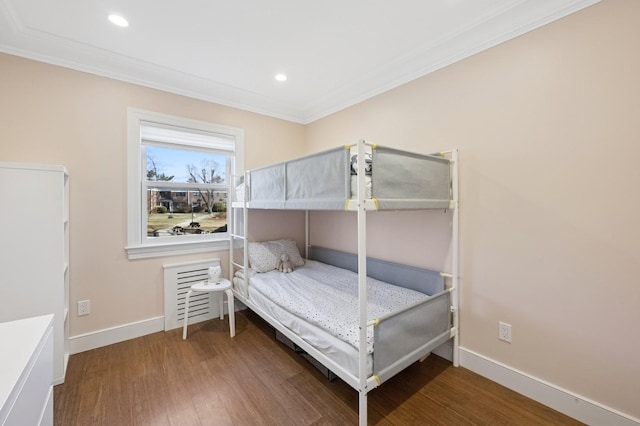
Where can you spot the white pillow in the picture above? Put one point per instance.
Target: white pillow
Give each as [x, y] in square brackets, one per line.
[289, 247]
[263, 256]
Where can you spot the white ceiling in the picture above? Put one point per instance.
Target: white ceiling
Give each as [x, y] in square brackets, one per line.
[335, 52]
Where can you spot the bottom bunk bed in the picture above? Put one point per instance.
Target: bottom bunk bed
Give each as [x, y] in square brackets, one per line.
[316, 307]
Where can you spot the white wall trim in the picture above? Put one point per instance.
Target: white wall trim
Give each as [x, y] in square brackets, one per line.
[109, 336]
[566, 402]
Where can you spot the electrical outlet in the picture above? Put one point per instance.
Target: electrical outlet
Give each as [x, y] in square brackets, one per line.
[84, 307]
[504, 331]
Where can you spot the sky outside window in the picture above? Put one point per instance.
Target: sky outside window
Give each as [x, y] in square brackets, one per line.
[175, 162]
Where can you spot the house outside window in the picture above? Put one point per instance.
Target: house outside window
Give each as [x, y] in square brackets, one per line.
[179, 180]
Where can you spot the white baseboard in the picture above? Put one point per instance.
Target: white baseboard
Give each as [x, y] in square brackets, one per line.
[575, 406]
[109, 336]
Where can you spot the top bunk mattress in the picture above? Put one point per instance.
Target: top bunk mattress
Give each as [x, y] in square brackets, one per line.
[399, 180]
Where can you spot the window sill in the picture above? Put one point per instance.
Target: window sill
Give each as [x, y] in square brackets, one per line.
[175, 248]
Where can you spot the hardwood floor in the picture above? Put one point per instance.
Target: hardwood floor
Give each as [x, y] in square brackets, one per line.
[252, 379]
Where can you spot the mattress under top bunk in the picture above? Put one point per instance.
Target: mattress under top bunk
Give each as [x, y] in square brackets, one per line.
[395, 180]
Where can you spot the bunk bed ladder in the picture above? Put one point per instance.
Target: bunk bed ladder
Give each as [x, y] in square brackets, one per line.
[237, 236]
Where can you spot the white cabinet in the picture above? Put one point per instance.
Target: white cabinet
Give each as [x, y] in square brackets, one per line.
[35, 250]
[26, 392]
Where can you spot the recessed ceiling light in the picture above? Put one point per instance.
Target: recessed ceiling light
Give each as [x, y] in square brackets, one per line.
[281, 77]
[118, 20]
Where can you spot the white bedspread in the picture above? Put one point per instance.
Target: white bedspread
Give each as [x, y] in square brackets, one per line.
[328, 298]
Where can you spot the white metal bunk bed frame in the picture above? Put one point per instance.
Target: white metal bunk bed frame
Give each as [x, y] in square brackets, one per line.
[363, 384]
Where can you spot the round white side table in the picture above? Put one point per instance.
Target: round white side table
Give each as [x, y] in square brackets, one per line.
[222, 287]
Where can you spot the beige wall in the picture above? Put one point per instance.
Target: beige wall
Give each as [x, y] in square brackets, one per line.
[54, 115]
[548, 130]
[548, 127]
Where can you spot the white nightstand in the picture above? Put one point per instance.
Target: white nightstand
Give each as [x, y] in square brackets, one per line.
[224, 286]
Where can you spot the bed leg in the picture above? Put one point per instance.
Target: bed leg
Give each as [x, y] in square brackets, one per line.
[362, 408]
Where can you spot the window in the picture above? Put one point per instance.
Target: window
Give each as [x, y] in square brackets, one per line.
[179, 180]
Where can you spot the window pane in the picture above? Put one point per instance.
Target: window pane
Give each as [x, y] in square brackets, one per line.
[183, 166]
[185, 212]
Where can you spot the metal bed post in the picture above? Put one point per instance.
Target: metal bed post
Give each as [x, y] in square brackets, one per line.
[455, 263]
[306, 234]
[456, 258]
[362, 286]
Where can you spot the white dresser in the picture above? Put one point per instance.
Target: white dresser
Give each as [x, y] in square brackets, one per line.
[34, 246]
[26, 373]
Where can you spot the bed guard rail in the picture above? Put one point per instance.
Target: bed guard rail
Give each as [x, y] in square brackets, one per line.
[401, 338]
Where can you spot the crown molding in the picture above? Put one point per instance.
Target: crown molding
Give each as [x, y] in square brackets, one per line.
[487, 31]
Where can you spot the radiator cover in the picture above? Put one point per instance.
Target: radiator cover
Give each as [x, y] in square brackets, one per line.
[178, 278]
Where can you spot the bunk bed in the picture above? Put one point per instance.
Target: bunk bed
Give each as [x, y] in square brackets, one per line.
[359, 178]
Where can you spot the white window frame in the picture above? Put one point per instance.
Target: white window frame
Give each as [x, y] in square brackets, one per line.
[138, 245]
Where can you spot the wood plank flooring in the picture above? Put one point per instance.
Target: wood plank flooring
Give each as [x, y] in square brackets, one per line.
[252, 379]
